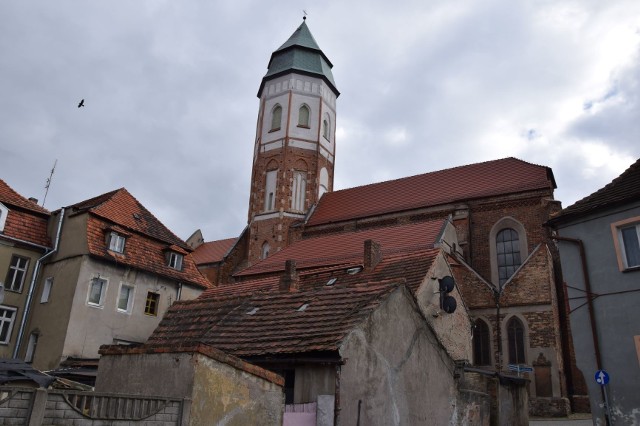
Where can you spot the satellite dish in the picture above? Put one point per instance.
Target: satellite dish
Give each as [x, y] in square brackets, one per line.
[449, 304]
[447, 284]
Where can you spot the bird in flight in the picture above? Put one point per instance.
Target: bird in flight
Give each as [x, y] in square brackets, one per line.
[81, 104]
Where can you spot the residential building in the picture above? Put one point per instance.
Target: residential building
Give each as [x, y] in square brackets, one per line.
[114, 272]
[24, 243]
[599, 242]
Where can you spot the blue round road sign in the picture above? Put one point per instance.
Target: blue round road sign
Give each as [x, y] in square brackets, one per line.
[602, 378]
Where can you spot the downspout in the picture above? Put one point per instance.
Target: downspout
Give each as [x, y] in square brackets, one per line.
[179, 291]
[592, 316]
[32, 286]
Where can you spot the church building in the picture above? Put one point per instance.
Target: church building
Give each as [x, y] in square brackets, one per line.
[489, 237]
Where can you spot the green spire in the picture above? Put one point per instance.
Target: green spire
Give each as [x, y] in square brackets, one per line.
[300, 54]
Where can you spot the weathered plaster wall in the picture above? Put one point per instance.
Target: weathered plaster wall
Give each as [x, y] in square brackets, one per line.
[397, 370]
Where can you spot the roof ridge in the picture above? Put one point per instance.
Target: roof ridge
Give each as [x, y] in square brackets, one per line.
[25, 203]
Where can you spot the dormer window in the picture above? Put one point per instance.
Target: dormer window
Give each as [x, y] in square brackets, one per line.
[4, 212]
[174, 260]
[116, 242]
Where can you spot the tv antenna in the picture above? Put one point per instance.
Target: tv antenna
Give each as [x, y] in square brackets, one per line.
[46, 187]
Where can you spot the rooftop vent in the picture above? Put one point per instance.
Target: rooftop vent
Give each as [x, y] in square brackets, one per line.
[33, 200]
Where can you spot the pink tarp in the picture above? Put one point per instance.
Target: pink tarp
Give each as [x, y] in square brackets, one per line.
[300, 414]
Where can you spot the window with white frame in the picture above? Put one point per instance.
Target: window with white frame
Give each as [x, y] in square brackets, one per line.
[125, 299]
[116, 242]
[276, 118]
[31, 347]
[46, 290]
[174, 260]
[303, 116]
[16, 273]
[4, 212]
[97, 290]
[270, 190]
[298, 190]
[629, 236]
[7, 317]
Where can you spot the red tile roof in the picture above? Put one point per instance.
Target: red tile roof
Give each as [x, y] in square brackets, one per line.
[121, 207]
[348, 247]
[254, 318]
[212, 251]
[623, 189]
[491, 178]
[26, 220]
[147, 239]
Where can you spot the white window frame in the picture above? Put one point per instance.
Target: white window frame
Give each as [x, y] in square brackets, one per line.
[7, 321]
[46, 290]
[276, 118]
[175, 260]
[299, 190]
[129, 307]
[103, 291]
[618, 240]
[301, 122]
[116, 242]
[4, 212]
[270, 190]
[10, 286]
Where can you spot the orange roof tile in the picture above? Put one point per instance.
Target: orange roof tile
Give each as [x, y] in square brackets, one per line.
[26, 220]
[348, 247]
[212, 251]
[505, 176]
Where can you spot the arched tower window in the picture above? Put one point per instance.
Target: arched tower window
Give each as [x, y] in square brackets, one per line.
[270, 190]
[303, 116]
[326, 127]
[508, 252]
[264, 253]
[515, 336]
[298, 190]
[481, 343]
[324, 182]
[276, 117]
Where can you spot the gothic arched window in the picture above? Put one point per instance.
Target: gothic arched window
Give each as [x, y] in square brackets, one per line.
[276, 118]
[265, 250]
[303, 116]
[298, 190]
[481, 343]
[515, 336]
[326, 127]
[508, 252]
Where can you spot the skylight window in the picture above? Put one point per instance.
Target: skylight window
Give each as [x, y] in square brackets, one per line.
[332, 281]
[353, 271]
[303, 307]
[252, 311]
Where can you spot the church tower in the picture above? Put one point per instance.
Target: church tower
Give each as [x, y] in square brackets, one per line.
[294, 151]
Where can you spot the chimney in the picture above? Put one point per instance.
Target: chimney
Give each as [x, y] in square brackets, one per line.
[33, 200]
[372, 255]
[290, 281]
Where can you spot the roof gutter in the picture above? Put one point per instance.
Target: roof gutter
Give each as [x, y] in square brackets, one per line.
[32, 285]
[18, 240]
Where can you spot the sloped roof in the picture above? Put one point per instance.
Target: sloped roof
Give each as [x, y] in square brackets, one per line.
[348, 247]
[147, 238]
[212, 251]
[122, 208]
[302, 54]
[254, 318]
[491, 178]
[26, 221]
[623, 189]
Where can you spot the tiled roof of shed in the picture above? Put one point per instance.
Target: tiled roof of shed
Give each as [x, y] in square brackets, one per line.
[26, 220]
[623, 189]
[254, 318]
[212, 251]
[348, 247]
[491, 178]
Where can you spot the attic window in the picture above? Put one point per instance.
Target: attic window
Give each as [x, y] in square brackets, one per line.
[116, 242]
[174, 260]
[353, 271]
[332, 281]
[303, 307]
[4, 212]
[252, 311]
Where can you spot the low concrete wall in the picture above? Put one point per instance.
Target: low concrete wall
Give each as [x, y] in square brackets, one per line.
[36, 407]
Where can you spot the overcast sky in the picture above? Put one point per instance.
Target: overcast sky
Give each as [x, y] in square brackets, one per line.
[170, 93]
